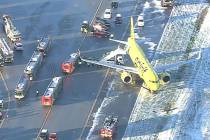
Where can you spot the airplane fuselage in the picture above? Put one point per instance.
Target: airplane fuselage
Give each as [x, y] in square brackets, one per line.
[145, 70]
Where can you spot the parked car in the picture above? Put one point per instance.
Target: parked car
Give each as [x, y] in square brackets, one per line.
[18, 46]
[107, 14]
[118, 19]
[140, 20]
[114, 4]
[43, 135]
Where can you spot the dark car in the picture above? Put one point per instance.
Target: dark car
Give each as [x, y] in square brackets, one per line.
[114, 4]
[102, 21]
[118, 19]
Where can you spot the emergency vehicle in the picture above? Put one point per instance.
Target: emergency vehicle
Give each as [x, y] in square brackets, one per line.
[69, 65]
[97, 30]
[22, 87]
[33, 65]
[44, 44]
[12, 33]
[109, 127]
[52, 91]
[6, 52]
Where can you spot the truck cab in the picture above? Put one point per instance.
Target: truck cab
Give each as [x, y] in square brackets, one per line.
[44, 45]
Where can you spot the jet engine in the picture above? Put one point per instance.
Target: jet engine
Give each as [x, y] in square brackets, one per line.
[164, 78]
[126, 77]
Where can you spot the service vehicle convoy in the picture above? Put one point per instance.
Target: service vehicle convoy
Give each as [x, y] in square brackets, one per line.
[33, 65]
[109, 127]
[22, 87]
[6, 52]
[52, 91]
[12, 33]
[69, 65]
[44, 44]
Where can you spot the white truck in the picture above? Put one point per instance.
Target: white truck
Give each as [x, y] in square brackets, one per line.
[12, 33]
[33, 65]
[6, 52]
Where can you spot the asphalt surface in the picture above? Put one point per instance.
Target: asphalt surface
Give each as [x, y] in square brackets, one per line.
[83, 92]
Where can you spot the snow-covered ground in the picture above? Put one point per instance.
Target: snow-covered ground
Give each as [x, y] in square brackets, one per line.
[181, 109]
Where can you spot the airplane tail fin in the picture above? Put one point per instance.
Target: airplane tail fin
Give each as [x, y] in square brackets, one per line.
[132, 35]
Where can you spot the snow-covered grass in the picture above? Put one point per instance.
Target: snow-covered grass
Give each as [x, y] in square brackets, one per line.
[168, 111]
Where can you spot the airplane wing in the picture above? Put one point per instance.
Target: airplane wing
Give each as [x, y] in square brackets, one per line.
[111, 65]
[173, 66]
[120, 41]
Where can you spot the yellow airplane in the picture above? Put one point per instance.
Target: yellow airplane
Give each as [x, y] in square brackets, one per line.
[153, 78]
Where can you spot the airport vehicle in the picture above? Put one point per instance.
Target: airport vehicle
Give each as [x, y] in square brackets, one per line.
[109, 127]
[118, 19]
[1, 104]
[18, 46]
[53, 136]
[44, 44]
[114, 4]
[107, 14]
[97, 30]
[69, 65]
[52, 91]
[33, 65]
[166, 3]
[140, 20]
[44, 134]
[6, 52]
[12, 33]
[154, 78]
[22, 87]
[102, 21]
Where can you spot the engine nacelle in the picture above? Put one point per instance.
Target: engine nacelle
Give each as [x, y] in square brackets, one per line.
[126, 77]
[164, 78]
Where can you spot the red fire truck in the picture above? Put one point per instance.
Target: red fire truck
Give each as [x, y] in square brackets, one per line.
[69, 65]
[109, 127]
[52, 91]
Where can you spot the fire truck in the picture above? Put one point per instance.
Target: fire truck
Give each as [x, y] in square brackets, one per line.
[6, 52]
[69, 65]
[52, 91]
[44, 44]
[22, 87]
[12, 33]
[109, 128]
[97, 29]
[33, 65]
